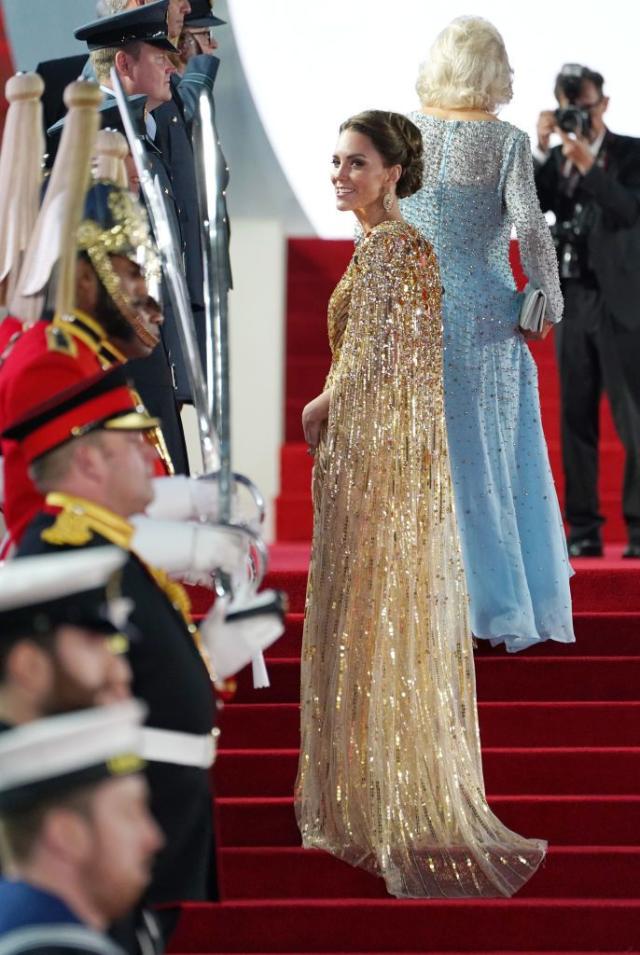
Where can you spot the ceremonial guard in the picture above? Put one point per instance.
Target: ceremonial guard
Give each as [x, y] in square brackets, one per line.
[85, 453]
[77, 833]
[102, 320]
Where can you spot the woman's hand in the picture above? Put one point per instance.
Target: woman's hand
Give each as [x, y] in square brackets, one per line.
[544, 331]
[313, 417]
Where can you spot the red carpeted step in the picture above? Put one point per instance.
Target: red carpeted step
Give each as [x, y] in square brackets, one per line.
[513, 771]
[559, 724]
[522, 925]
[296, 873]
[595, 587]
[296, 465]
[596, 634]
[513, 677]
[562, 820]
[276, 725]
[294, 516]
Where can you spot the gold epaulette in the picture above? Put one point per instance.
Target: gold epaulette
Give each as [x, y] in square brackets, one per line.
[79, 520]
[75, 526]
[78, 326]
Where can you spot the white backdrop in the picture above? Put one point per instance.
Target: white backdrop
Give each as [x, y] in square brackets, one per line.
[312, 63]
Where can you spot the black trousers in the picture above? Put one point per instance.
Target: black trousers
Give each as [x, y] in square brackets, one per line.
[590, 344]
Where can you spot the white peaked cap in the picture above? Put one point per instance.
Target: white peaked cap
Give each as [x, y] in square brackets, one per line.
[60, 753]
[35, 580]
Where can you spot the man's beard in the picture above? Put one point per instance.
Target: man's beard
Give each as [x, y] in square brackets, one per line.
[111, 318]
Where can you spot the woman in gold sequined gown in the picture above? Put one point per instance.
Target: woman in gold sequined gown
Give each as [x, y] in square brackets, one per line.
[390, 775]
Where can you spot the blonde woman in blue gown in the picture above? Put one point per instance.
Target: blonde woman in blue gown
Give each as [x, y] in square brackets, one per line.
[478, 185]
[390, 774]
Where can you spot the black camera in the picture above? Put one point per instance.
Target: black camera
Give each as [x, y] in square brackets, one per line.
[572, 119]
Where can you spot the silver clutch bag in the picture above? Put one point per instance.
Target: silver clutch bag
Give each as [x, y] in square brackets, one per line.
[532, 310]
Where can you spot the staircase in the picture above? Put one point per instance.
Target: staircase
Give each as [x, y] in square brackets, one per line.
[560, 728]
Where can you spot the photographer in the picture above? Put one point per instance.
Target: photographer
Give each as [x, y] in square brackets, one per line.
[591, 181]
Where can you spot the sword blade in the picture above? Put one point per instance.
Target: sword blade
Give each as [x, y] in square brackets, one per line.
[173, 271]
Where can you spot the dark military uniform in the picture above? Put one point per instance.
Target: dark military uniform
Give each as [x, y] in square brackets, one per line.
[174, 143]
[171, 677]
[174, 121]
[44, 360]
[34, 922]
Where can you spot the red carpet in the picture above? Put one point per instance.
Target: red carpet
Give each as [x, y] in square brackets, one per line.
[561, 746]
[314, 268]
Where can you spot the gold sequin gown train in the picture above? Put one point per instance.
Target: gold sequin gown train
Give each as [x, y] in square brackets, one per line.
[390, 774]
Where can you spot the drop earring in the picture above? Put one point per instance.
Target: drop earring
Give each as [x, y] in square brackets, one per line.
[387, 201]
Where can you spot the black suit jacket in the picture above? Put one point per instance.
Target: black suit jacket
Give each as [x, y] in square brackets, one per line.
[170, 676]
[612, 194]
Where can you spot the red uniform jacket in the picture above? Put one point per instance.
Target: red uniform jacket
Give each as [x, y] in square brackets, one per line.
[44, 360]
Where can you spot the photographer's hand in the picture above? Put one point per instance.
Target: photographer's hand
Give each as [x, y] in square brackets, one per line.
[576, 149]
[546, 125]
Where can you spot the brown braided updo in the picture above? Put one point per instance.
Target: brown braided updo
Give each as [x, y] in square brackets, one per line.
[398, 141]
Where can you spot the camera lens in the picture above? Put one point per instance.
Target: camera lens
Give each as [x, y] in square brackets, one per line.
[571, 119]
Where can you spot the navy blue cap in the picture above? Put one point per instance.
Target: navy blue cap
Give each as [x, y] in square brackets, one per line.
[147, 24]
[202, 15]
[39, 594]
[42, 761]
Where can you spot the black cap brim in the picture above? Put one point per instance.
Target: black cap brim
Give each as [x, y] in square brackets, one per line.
[202, 22]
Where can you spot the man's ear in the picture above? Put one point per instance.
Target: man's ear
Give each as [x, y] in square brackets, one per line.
[67, 835]
[122, 63]
[30, 667]
[88, 461]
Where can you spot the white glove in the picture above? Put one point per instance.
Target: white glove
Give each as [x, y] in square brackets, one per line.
[182, 498]
[182, 547]
[231, 644]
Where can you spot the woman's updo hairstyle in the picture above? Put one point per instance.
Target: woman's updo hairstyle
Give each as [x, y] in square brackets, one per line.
[467, 68]
[398, 141]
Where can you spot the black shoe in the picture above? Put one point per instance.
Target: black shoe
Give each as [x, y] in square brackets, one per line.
[633, 551]
[586, 547]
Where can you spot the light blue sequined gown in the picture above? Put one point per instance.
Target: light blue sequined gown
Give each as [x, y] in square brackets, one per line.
[478, 183]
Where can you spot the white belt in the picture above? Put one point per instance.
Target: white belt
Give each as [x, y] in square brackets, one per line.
[182, 749]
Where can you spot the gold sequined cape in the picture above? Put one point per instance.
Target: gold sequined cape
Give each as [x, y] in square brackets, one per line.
[390, 775]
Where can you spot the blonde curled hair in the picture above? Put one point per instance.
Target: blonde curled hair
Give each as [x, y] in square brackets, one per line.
[467, 68]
